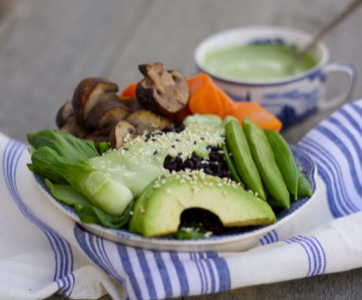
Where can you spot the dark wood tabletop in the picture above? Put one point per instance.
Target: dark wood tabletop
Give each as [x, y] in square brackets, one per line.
[48, 47]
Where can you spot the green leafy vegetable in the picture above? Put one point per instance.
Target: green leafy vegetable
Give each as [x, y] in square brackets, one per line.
[65, 144]
[188, 231]
[86, 211]
[104, 147]
[60, 156]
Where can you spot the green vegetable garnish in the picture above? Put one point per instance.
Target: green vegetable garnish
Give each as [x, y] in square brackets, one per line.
[61, 158]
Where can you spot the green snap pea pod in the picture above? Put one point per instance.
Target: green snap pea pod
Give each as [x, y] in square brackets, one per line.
[244, 163]
[231, 166]
[285, 160]
[304, 187]
[264, 158]
[273, 203]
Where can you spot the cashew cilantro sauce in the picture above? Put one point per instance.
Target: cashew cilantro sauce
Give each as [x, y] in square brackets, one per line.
[138, 163]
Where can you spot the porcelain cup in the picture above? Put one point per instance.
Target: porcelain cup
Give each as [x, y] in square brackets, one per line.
[291, 99]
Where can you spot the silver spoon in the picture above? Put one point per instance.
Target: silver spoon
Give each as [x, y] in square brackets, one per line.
[342, 16]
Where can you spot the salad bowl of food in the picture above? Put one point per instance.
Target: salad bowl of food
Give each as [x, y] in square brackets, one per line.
[169, 173]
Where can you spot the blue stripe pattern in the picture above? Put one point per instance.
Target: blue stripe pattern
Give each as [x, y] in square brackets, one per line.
[314, 251]
[213, 270]
[269, 238]
[63, 276]
[334, 146]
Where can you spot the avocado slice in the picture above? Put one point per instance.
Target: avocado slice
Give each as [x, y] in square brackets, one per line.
[158, 210]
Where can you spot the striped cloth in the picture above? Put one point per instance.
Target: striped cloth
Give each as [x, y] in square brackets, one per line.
[43, 252]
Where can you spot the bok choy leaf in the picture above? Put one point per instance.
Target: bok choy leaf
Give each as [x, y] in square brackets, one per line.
[61, 157]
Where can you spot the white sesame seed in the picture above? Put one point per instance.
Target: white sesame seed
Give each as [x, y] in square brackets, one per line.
[196, 191]
[208, 234]
[225, 193]
[163, 181]
[131, 212]
[168, 191]
[219, 184]
[142, 209]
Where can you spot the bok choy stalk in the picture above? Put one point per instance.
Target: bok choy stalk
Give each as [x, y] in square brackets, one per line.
[61, 157]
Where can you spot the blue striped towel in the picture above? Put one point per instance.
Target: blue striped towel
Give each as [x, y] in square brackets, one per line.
[43, 252]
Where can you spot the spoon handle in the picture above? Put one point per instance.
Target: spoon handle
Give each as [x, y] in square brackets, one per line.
[353, 6]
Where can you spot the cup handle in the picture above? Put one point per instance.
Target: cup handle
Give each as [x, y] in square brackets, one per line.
[347, 69]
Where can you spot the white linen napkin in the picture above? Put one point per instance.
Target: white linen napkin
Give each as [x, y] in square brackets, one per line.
[43, 252]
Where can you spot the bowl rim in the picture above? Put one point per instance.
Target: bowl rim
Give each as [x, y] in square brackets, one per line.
[200, 52]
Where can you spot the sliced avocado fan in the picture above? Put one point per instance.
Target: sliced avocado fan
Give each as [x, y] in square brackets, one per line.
[158, 210]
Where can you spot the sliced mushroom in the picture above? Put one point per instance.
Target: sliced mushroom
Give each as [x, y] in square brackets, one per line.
[125, 100]
[145, 120]
[97, 137]
[64, 113]
[120, 132]
[135, 105]
[163, 92]
[106, 115]
[74, 128]
[89, 93]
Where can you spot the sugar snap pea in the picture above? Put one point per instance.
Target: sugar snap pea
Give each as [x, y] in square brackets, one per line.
[244, 163]
[264, 158]
[304, 187]
[231, 166]
[284, 159]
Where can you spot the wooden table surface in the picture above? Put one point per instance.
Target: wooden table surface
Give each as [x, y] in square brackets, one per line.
[48, 47]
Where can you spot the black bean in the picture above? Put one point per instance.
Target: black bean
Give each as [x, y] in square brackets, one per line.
[208, 171]
[190, 164]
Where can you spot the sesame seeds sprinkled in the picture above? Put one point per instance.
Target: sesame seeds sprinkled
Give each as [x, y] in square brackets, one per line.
[142, 209]
[168, 191]
[208, 234]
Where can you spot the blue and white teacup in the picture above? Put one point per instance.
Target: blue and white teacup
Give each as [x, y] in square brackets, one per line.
[290, 99]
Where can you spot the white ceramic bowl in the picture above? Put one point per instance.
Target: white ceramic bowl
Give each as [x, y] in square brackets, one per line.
[225, 243]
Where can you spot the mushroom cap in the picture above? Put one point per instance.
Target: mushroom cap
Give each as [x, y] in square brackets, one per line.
[134, 105]
[97, 137]
[64, 113]
[120, 132]
[106, 114]
[89, 93]
[163, 92]
[74, 128]
[145, 120]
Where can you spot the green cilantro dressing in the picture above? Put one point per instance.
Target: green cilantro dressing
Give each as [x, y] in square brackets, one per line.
[258, 62]
[138, 163]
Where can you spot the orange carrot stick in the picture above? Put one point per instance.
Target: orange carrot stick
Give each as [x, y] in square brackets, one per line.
[130, 91]
[256, 114]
